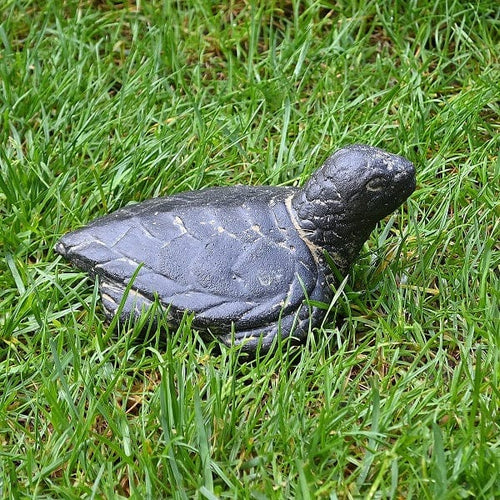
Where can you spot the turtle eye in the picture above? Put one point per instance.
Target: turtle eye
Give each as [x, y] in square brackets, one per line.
[375, 184]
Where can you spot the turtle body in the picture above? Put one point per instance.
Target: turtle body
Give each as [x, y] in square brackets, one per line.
[248, 262]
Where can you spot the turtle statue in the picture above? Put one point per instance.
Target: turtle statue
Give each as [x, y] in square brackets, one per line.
[249, 263]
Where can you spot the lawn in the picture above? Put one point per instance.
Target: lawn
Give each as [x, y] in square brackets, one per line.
[104, 103]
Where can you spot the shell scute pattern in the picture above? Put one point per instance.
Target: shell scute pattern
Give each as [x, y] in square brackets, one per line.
[226, 262]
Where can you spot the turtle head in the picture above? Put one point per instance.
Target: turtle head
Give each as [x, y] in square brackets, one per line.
[343, 200]
[364, 182]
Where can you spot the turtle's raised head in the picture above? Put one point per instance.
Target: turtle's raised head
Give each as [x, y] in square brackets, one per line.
[343, 200]
[368, 181]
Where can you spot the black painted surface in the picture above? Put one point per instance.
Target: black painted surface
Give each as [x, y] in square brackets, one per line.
[243, 256]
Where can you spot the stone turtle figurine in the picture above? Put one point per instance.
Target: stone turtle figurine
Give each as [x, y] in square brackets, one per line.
[246, 261]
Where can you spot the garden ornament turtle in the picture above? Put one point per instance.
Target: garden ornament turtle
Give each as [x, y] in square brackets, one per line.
[248, 262]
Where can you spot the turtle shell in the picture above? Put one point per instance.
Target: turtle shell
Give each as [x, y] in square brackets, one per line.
[232, 256]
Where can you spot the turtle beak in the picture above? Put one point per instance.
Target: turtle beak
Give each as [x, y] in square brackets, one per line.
[405, 179]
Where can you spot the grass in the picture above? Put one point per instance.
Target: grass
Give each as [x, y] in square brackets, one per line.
[105, 103]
